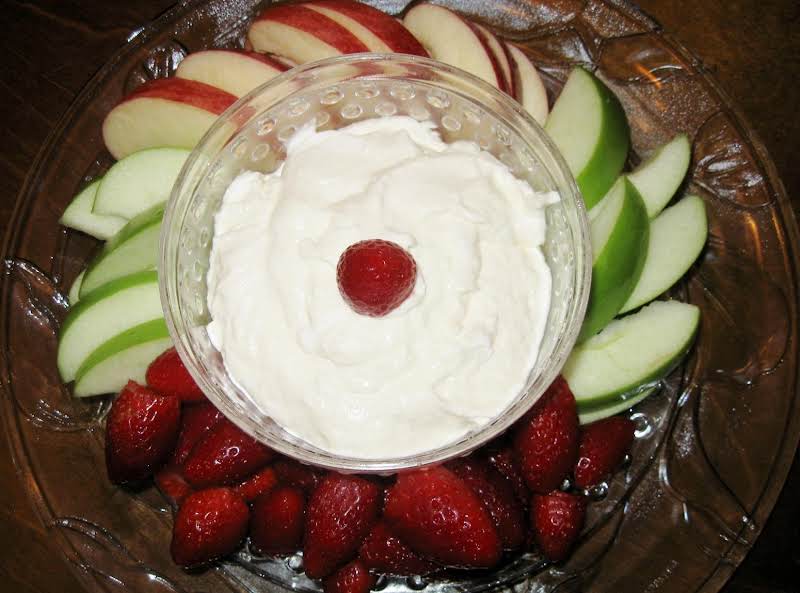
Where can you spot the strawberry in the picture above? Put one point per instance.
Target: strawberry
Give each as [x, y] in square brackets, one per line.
[557, 520]
[497, 496]
[603, 446]
[341, 511]
[385, 553]
[259, 483]
[209, 524]
[505, 462]
[292, 473]
[172, 485]
[439, 517]
[196, 422]
[141, 430]
[351, 578]
[278, 521]
[225, 456]
[375, 276]
[168, 375]
[546, 439]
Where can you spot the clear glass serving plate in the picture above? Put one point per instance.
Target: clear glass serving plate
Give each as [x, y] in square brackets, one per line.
[713, 446]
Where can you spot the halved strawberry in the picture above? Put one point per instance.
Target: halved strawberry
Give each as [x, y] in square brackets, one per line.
[196, 423]
[278, 521]
[141, 430]
[168, 375]
[603, 446]
[341, 511]
[225, 456]
[496, 495]
[503, 460]
[557, 520]
[172, 485]
[261, 482]
[351, 578]
[546, 439]
[292, 473]
[439, 517]
[385, 553]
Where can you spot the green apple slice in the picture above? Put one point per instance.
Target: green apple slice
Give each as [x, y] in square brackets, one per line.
[133, 249]
[75, 290]
[78, 215]
[660, 176]
[107, 312]
[122, 358]
[631, 352]
[677, 237]
[593, 415]
[589, 127]
[619, 231]
[139, 181]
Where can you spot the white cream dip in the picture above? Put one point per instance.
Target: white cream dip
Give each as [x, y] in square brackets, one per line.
[445, 362]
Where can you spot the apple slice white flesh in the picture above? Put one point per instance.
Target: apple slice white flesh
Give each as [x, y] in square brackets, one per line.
[133, 249]
[139, 181]
[74, 293]
[660, 176]
[677, 237]
[79, 216]
[589, 127]
[107, 312]
[453, 40]
[530, 91]
[163, 112]
[619, 230]
[235, 72]
[122, 358]
[501, 56]
[593, 415]
[631, 352]
[374, 28]
[301, 34]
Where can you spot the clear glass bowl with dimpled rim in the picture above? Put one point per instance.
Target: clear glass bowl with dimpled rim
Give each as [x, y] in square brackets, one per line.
[334, 93]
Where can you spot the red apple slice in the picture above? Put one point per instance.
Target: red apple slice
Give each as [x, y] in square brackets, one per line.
[455, 41]
[301, 34]
[530, 91]
[377, 30]
[235, 72]
[500, 54]
[163, 112]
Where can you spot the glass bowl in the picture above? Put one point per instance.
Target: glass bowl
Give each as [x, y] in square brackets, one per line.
[331, 94]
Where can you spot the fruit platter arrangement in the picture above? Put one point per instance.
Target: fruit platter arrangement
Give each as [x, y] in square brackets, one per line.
[546, 503]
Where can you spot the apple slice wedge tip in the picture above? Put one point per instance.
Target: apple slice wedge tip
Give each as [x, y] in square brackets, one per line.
[234, 71]
[660, 176]
[530, 90]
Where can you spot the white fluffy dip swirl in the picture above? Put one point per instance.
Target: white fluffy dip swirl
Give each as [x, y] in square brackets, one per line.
[451, 358]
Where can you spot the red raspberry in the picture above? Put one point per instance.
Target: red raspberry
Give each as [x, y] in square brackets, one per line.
[375, 276]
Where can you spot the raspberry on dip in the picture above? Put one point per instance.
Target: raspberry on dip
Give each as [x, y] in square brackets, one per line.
[448, 356]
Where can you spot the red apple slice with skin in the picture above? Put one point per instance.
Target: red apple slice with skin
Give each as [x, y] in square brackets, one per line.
[301, 34]
[235, 72]
[500, 53]
[530, 90]
[163, 112]
[453, 40]
[377, 30]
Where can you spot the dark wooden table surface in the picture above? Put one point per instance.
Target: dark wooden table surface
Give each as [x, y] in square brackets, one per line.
[51, 48]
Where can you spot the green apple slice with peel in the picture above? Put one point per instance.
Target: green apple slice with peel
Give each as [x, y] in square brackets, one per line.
[630, 352]
[133, 249]
[78, 215]
[107, 312]
[619, 231]
[139, 181]
[660, 176]
[122, 358]
[75, 289]
[589, 127]
[677, 237]
[593, 415]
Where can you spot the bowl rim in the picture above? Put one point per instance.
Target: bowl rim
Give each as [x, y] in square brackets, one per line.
[515, 409]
